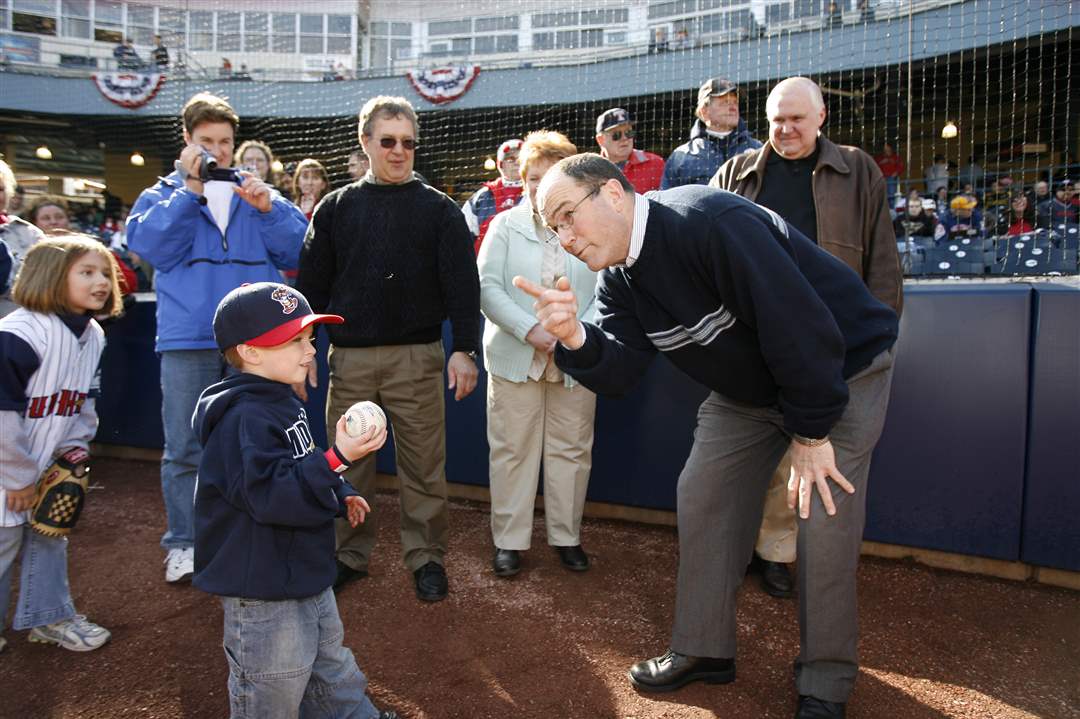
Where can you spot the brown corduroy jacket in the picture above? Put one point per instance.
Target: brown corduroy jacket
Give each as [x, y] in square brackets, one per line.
[853, 223]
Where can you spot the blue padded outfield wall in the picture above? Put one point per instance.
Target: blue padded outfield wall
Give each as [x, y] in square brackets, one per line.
[980, 452]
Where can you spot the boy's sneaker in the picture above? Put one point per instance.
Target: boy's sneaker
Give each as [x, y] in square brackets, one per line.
[179, 564]
[77, 634]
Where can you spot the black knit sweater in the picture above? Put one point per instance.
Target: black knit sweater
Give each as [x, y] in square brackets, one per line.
[394, 261]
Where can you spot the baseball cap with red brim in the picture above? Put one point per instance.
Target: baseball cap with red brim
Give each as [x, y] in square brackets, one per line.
[264, 314]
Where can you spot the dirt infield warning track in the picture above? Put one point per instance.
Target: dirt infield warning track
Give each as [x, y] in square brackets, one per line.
[548, 643]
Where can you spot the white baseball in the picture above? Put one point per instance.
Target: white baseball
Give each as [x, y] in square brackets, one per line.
[362, 416]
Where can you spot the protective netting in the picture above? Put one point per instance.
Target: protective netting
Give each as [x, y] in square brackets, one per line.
[996, 75]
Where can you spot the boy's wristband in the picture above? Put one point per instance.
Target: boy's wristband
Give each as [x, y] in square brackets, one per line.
[336, 460]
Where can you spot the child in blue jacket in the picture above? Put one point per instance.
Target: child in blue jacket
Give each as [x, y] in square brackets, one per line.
[265, 504]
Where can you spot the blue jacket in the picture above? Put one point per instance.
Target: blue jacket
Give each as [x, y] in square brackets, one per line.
[195, 266]
[265, 500]
[695, 162]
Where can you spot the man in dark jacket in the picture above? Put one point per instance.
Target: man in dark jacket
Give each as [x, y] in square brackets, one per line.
[394, 257]
[836, 196]
[717, 135]
[798, 356]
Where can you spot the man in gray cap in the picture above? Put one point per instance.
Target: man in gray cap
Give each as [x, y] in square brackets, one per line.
[615, 136]
[717, 134]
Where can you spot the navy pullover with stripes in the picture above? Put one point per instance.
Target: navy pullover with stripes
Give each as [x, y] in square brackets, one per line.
[741, 302]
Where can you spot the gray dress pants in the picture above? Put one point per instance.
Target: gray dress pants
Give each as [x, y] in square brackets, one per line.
[721, 493]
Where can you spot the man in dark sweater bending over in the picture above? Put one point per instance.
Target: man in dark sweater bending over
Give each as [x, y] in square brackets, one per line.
[394, 257]
[798, 355]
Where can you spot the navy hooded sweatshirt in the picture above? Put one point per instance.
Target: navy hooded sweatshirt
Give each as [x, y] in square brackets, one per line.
[265, 500]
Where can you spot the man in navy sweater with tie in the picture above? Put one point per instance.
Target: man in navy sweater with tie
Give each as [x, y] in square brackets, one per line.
[798, 355]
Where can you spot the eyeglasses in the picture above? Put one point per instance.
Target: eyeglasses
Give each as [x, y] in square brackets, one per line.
[408, 144]
[568, 219]
[620, 134]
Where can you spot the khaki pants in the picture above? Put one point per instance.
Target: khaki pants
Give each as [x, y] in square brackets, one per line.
[407, 381]
[528, 421]
[779, 530]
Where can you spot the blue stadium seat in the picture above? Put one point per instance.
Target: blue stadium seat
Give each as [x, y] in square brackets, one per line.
[954, 260]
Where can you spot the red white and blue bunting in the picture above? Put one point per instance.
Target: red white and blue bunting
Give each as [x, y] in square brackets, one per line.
[444, 84]
[129, 89]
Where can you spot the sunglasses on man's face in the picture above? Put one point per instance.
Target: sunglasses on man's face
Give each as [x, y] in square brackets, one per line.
[408, 144]
[620, 134]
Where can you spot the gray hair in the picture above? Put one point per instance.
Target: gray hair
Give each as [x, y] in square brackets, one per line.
[388, 108]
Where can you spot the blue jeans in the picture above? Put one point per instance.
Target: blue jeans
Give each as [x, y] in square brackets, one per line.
[286, 660]
[184, 375]
[44, 595]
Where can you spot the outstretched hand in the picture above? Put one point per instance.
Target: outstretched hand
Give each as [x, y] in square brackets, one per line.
[556, 309]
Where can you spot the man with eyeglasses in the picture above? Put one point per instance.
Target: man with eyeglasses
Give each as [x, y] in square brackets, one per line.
[615, 136]
[501, 194]
[394, 257]
[798, 355]
[718, 134]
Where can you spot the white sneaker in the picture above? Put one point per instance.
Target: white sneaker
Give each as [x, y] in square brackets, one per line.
[179, 564]
[77, 634]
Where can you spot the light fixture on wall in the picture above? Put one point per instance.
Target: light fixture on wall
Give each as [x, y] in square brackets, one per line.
[276, 166]
[43, 153]
[137, 159]
[489, 164]
[949, 131]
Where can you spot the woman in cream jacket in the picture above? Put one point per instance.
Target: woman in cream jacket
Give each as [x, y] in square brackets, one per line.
[534, 411]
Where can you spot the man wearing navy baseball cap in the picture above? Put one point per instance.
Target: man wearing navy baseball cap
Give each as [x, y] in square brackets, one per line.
[615, 136]
[498, 195]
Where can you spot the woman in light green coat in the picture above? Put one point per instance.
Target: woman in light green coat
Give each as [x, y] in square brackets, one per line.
[534, 411]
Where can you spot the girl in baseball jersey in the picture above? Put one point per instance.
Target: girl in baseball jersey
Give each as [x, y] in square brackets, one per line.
[49, 353]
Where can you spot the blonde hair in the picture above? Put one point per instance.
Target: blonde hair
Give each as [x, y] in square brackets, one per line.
[544, 145]
[46, 201]
[309, 164]
[42, 284]
[205, 107]
[387, 108]
[238, 156]
[8, 178]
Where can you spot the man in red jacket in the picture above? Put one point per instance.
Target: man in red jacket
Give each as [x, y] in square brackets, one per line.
[615, 136]
[493, 197]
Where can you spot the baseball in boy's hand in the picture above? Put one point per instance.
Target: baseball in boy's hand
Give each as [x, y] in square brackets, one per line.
[362, 416]
[353, 448]
[356, 508]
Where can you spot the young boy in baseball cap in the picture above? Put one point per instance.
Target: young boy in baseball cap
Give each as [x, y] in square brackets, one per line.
[265, 503]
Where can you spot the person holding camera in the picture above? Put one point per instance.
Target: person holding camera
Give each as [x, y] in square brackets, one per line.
[206, 229]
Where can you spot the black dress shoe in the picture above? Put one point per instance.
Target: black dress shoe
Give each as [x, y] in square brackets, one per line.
[388, 714]
[346, 574]
[507, 562]
[673, 670]
[814, 708]
[775, 577]
[573, 558]
[431, 583]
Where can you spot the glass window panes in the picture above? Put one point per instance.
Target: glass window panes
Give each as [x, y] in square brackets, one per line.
[380, 52]
[807, 8]
[170, 19]
[555, 19]
[567, 39]
[484, 45]
[777, 13]
[450, 27]
[37, 24]
[35, 7]
[284, 32]
[615, 38]
[255, 27]
[311, 44]
[284, 43]
[401, 28]
[380, 28]
[228, 31]
[339, 24]
[402, 49]
[711, 4]
[506, 43]
[3, 14]
[611, 16]
[543, 41]
[461, 45]
[339, 44]
[311, 24]
[677, 7]
[140, 15]
[489, 24]
[75, 18]
[108, 12]
[201, 36]
[592, 38]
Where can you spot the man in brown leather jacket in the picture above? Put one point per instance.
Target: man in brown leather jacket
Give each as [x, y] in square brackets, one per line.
[835, 195]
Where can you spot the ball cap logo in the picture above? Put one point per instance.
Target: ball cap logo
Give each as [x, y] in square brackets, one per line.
[289, 301]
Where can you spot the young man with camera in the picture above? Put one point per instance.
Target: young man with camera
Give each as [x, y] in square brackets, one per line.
[206, 231]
